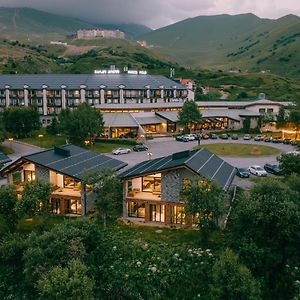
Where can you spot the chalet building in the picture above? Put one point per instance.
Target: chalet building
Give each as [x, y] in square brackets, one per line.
[152, 188]
[64, 167]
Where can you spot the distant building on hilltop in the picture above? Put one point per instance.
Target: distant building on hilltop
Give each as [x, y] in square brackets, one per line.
[86, 34]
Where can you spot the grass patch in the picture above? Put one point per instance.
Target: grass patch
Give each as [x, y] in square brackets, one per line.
[40, 222]
[6, 150]
[47, 141]
[240, 150]
[106, 148]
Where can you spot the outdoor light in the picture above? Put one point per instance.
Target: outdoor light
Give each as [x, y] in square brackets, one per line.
[11, 139]
[40, 135]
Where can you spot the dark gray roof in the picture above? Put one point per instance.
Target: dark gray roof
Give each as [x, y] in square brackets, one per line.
[202, 162]
[4, 158]
[91, 81]
[234, 114]
[76, 164]
[119, 120]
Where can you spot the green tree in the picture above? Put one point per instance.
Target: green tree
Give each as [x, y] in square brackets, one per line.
[265, 231]
[21, 121]
[294, 117]
[232, 280]
[66, 283]
[35, 197]
[246, 124]
[204, 199]
[8, 205]
[108, 190]
[293, 182]
[189, 117]
[281, 118]
[81, 123]
[54, 127]
[290, 163]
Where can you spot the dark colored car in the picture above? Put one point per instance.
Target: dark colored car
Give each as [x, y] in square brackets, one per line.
[224, 136]
[267, 139]
[273, 169]
[294, 143]
[286, 141]
[213, 136]
[275, 140]
[243, 173]
[235, 137]
[138, 148]
[179, 138]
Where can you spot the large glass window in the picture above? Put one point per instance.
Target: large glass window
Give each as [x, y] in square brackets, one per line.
[178, 215]
[157, 213]
[152, 183]
[29, 175]
[73, 206]
[16, 177]
[136, 210]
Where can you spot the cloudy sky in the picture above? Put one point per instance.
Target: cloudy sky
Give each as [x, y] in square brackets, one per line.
[157, 13]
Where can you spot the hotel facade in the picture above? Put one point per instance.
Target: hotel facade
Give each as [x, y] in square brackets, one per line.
[131, 103]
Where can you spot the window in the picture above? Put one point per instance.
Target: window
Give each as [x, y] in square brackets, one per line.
[136, 210]
[129, 185]
[16, 177]
[262, 110]
[73, 206]
[152, 183]
[29, 175]
[55, 206]
[178, 215]
[270, 110]
[157, 213]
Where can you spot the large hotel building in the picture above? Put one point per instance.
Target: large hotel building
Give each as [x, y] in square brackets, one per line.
[130, 103]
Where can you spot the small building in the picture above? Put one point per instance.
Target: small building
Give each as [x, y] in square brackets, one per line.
[152, 188]
[64, 167]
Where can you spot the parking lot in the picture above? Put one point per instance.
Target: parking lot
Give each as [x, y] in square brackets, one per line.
[165, 146]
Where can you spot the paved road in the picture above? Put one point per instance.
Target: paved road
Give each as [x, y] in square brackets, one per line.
[165, 146]
[20, 149]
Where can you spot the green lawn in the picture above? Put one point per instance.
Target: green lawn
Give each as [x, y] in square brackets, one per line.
[46, 141]
[6, 150]
[105, 147]
[240, 150]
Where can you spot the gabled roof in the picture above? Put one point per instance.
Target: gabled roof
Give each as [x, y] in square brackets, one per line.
[70, 160]
[202, 162]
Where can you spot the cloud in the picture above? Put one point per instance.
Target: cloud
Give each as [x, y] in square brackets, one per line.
[156, 13]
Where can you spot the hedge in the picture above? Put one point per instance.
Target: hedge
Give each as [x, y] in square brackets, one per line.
[117, 141]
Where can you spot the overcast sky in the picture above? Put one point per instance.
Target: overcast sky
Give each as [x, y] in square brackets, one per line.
[157, 13]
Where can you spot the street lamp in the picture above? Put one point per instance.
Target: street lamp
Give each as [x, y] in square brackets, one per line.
[40, 136]
[10, 142]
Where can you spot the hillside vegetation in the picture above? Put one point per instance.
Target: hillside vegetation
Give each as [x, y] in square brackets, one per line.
[226, 42]
[29, 24]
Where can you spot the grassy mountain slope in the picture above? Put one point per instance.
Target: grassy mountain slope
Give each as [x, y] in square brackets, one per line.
[224, 42]
[26, 23]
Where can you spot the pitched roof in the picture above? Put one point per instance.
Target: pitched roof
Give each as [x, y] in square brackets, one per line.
[119, 120]
[71, 160]
[91, 81]
[202, 162]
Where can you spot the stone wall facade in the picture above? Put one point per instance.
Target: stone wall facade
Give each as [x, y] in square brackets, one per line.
[171, 184]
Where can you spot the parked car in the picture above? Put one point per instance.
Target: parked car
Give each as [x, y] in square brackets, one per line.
[267, 139]
[258, 171]
[235, 137]
[275, 140]
[119, 151]
[247, 137]
[138, 148]
[286, 141]
[273, 169]
[224, 136]
[205, 136]
[243, 173]
[213, 136]
[294, 143]
[258, 138]
[189, 137]
[179, 138]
